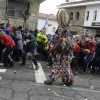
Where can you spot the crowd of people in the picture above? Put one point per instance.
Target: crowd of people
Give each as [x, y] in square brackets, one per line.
[82, 51]
[17, 41]
[89, 54]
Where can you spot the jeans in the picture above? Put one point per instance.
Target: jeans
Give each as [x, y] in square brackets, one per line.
[40, 49]
[97, 61]
[17, 54]
[8, 55]
[74, 63]
[31, 50]
[1, 48]
[6, 59]
[87, 61]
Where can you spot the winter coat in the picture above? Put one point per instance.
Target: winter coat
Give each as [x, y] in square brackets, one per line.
[32, 43]
[91, 45]
[41, 38]
[19, 42]
[7, 41]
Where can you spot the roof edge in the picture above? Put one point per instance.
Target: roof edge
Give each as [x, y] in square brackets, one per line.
[77, 4]
[51, 16]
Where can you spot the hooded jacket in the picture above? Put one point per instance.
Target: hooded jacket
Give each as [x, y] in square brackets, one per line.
[33, 42]
[7, 41]
[91, 45]
[41, 38]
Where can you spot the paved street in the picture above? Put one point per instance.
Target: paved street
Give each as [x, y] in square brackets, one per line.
[22, 83]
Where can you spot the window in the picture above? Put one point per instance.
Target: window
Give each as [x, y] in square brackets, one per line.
[54, 29]
[77, 15]
[71, 16]
[15, 12]
[87, 15]
[14, 9]
[95, 15]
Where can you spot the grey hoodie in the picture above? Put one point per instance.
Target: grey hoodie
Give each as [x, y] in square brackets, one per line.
[19, 42]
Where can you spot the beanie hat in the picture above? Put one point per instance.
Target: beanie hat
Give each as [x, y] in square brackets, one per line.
[20, 27]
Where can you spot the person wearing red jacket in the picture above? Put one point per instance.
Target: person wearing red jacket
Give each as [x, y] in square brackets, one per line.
[89, 47]
[74, 62]
[9, 45]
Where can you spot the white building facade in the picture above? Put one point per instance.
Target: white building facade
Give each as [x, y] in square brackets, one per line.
[92, 18]
[92, 14]
[52, 20]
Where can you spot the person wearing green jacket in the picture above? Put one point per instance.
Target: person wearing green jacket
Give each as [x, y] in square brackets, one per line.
[30, 46]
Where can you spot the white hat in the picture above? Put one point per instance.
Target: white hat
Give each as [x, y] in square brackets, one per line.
[1, 32]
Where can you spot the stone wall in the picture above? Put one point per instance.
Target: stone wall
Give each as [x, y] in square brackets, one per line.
[32, 21]
[77, 24]
[2, 10]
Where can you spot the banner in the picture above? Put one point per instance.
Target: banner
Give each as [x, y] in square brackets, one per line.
[47, 19]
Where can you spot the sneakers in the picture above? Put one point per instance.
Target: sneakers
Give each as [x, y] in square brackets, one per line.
[76, 73]
[1, 61]
[84, 73]
[2, 67]
[48, 82]
[16, 60]
[49, 64]
[37, 67]
[10, 63]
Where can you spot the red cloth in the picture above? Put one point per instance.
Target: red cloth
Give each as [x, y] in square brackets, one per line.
[91, 45]
[10, 28]
[7, 41]
[51, 47]
[76, 48]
